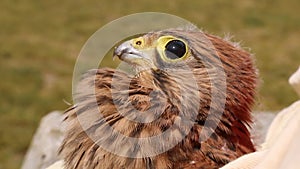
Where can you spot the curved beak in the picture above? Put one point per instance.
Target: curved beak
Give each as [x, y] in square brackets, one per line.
[127, 52]
[137, 57]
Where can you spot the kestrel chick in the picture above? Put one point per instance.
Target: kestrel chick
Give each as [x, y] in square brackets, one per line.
[187, 106]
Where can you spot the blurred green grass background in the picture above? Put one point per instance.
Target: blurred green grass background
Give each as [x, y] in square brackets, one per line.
[40, 41]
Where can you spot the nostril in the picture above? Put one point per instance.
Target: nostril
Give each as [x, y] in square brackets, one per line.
[138, 42]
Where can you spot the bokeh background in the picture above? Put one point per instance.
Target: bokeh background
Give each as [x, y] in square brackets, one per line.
[40, 40]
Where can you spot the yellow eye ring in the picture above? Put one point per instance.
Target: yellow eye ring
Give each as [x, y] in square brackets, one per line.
[172, 49]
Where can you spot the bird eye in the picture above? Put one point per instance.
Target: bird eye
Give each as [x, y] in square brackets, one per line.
[175, 49]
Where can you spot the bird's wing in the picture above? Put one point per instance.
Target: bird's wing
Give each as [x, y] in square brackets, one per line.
[281, 148]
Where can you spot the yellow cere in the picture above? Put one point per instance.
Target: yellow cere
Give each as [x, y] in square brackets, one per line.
[138, 43]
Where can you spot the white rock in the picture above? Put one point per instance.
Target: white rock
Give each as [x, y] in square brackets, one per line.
[43, 150]
[295, 81]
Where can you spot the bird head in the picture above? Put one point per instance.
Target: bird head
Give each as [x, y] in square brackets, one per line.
[171, 60]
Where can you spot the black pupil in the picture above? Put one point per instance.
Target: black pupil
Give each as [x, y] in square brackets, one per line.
[175, 49]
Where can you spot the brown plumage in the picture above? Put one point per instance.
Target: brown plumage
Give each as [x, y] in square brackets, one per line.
[167, 93]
